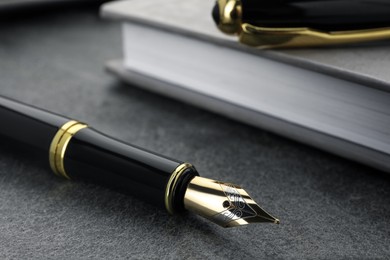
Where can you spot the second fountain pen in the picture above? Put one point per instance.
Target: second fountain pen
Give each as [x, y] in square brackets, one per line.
[76, 151]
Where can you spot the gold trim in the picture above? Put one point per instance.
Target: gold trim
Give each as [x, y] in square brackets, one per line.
[265, 37]
[59, 144]
[225, 204]
[171, 185]
[230, 13]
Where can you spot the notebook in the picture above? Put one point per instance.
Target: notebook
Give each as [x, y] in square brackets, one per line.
[336, 99]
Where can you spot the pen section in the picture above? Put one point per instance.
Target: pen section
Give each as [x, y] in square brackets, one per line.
[93, 156]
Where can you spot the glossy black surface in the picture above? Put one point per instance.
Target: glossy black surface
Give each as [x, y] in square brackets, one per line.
[28, 125]
[91, 155]
[327, 15]
[96, 157]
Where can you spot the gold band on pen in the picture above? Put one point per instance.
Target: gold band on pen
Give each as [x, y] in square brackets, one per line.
[230, 16]
[58, 146]
[171, 185]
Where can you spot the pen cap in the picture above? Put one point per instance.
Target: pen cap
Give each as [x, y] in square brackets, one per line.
[325, 15]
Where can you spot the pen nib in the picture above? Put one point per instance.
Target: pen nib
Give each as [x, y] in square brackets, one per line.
[225, 204]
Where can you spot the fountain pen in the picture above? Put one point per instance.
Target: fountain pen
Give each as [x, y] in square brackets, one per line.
[302, 23]
[75, 151]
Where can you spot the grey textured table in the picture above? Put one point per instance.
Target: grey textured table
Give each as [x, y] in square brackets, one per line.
[329, 207]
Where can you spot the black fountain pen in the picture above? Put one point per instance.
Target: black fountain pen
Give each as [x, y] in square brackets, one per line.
[301, 23]
[75, 151]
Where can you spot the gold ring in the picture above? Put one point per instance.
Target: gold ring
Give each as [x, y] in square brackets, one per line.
[58, 146]
[171, 185]
[230, 13]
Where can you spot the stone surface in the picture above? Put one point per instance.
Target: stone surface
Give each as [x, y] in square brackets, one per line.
[329, 207]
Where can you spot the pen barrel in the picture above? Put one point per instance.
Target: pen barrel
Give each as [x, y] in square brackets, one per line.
[75, 151]
[93, 156]
[28, 125]
[326, 15]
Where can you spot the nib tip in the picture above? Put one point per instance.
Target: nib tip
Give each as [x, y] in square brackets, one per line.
[225, 204]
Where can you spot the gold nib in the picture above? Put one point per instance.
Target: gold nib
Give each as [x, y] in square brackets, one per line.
[225, 204]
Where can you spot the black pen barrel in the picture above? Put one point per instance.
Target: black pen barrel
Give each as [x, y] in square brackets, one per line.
[75, 151]
[28, 125]
[93, 156]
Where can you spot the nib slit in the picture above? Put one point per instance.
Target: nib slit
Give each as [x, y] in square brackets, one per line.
[225, 204]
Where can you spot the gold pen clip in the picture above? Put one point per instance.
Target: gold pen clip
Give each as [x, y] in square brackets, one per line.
[230, 22]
